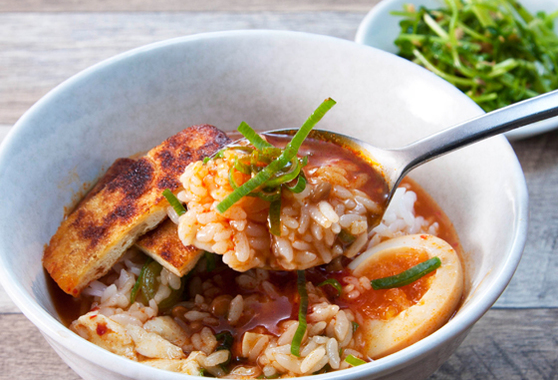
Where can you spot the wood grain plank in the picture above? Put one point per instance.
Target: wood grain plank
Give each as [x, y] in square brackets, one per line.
[536, 279]
[4, 129]
[40, 50]
[25, 354]
[506, 344]
[183, 5]
[6, 304]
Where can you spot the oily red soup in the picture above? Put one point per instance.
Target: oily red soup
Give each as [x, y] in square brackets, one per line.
[253, 313]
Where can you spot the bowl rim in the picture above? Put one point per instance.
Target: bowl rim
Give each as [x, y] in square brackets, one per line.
[51, 327]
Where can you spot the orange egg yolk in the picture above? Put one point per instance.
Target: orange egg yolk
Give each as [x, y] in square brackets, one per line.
[387, 303]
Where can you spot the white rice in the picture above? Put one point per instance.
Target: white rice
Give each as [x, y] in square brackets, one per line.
[329, 330]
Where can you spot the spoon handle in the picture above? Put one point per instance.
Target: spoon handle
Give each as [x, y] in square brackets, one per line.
[505, 119]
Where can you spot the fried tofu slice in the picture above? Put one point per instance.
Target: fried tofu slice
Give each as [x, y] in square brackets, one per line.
[162, 243]
[119, 166]
[96, 234]
[164, 246]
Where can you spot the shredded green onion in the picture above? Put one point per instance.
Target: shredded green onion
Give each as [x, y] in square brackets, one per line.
[354, 361]
[149, 280]
[227, 341]
[232, 182]
[302, 311]
[249, 186]
[326, 368]
[210, 261]
[333, 282]
[299, 186]
[271, 153]
[408, 276]
[346, 237]
[251, 135]
[355, 326]
[139, 280]
[241, 167]
[174, 202]
[275, 217]
[291, 174]
[220, 153]
[294, 145]
[288, 155]
[268, 196]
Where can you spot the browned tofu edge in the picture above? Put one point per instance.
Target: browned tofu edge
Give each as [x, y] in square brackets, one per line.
[164, 246]
[96, 234]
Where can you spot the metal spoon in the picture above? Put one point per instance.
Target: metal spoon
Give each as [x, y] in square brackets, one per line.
[397, 163]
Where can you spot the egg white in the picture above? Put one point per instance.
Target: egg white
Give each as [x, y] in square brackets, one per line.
[384, 337]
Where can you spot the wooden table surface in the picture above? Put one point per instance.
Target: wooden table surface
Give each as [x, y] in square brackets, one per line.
[44, 42]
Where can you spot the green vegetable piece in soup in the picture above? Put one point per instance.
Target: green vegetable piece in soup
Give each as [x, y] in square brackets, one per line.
[408, 276]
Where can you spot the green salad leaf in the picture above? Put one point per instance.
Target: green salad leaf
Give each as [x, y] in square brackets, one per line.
[495, 51]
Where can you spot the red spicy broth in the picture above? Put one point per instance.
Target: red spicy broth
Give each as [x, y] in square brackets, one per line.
[268, 312]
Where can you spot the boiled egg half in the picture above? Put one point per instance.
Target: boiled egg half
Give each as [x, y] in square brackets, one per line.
[382, 337]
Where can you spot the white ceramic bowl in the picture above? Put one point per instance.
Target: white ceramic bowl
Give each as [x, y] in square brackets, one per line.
[271, 80]
[380, 29]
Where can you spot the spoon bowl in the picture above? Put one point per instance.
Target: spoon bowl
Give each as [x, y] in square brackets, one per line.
[395, 164]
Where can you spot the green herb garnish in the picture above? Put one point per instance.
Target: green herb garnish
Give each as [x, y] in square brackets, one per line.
[174, 202]
[227, 340]
[408, 276]
[346, 237]
[300, 184]
[355, 326]
[493, 50]
[139, 280]
[280, 166]
[354, 361]
[210, 261]
[333, 282]
[149, 279]
[253, 137]
[326, 368]
[275, 217]
[302, 311]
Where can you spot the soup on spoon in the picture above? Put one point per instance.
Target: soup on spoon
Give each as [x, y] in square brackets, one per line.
[320, 206]
[274, 185]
